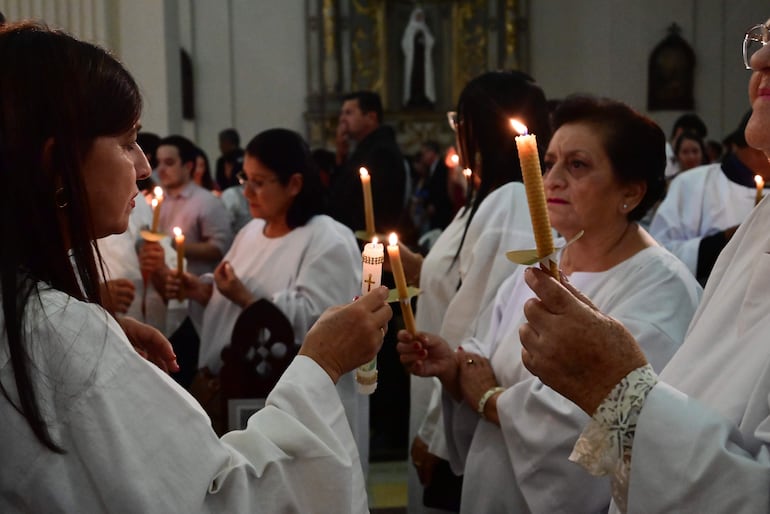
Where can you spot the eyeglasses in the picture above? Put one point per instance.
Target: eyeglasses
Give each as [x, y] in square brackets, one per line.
[453, 119]
[754, 40]
[254, 185]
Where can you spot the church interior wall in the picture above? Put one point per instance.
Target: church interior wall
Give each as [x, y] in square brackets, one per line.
[250, 57]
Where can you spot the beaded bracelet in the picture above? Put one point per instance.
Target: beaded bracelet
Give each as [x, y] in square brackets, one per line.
[486, 396]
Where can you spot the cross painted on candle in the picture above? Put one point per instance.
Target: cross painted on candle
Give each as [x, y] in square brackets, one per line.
[372, 258]
[526, 145]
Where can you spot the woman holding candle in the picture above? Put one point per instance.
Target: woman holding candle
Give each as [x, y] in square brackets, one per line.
[461, 273]
[289, 254]
[694, 439]
[87, 424]
[604, 168]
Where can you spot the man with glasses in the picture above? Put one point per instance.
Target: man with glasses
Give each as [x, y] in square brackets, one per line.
[697, 438]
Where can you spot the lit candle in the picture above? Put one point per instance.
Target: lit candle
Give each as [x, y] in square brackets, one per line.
[526, 145]
[179, 240]
[373, 256]
[455, 160]
[468, 178]
[398, 275]
[366, 184]
[156, 207]
[760, 187]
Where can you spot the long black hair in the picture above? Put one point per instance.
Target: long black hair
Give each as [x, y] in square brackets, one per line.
[484, 134]
[57, 95]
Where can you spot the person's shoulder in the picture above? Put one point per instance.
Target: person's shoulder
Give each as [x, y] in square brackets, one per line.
[656, 263]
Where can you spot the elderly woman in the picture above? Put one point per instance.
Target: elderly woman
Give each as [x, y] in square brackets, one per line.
[290, 254]
[697, 439]
[510, 434]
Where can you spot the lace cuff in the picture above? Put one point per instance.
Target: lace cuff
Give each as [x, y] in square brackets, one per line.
[604, 447]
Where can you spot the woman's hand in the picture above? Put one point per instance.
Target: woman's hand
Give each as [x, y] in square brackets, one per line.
[231, 286]
[349, 336]
[150, 344]
[117, 295]
[411, 261]
[476, 378]
[428, 355]
[573, 348]
[187, 285]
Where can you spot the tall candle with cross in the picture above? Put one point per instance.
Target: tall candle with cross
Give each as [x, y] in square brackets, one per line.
[373, 256]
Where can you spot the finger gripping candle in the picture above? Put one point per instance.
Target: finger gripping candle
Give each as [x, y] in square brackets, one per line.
[526, 145]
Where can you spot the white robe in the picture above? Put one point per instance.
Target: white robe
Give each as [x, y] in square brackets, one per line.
[137, 442]
[703, 435]
[699, 203]
[522, 466]
[501, 223]
[407, 45]
[311, 268]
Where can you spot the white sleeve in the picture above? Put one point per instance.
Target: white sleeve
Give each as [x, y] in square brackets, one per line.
[676, 224]
[687, 457]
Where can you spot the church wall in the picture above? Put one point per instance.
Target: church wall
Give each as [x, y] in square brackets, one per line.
[250, 65]
[603, 47]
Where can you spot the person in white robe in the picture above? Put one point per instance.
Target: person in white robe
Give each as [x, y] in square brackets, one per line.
[694, 439]
[460, 275]
[298, 259]
[704, 206]
[507, 433]
[122, 268]
[91, 421]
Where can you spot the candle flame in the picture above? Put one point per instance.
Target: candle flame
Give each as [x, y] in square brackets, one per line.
[158, 191]
[154, 202]
[364, 172]
[375, 241]
[455, 159]
[177, 231]
[467, 172]
[759, 181]
[393, 239]
[519, 127]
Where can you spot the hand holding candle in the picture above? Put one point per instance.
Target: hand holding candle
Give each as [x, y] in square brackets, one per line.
[373, 257]
[398, 275]
[366, 184]
[526, 144]
[156, 202]
[760, 188]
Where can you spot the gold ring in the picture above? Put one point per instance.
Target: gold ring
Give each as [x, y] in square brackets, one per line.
[470, 361]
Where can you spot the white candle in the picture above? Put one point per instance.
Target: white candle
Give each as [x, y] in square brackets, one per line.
[398, 275]
[156, 202]
[526, 145]
[373, 256]
[366, 184]
[179, 240]
[468, 178]
[760, 182]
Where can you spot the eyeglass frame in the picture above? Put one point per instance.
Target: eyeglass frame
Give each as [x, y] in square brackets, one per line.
[764, 39]
[247, 183]
[453, 119]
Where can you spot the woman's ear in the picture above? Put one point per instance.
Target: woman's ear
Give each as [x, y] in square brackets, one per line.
[295, 183]
[633, 195]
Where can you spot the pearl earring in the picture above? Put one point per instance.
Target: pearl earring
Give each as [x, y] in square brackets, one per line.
[625, 206]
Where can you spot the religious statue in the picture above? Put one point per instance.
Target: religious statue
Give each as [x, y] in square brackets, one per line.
[417, 44]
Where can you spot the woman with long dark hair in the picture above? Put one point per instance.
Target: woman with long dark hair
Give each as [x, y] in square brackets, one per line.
[88, 425]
